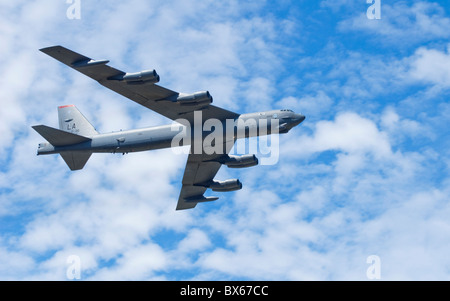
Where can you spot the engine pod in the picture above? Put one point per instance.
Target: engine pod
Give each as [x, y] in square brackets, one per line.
[227, 185]
[240, 161]
[197, 98]
[146, 76]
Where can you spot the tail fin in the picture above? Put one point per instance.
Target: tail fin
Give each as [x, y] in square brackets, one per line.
[71, 120]
[74, 159]
[74, 128]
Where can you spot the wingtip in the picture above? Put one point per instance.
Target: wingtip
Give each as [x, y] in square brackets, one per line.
[46, 49]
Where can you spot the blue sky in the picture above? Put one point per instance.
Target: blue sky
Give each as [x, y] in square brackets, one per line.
[367, 173]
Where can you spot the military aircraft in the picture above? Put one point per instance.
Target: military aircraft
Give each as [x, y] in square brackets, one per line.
[209, 130]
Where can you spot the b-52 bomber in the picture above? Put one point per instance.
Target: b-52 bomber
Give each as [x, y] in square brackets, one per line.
[210, 131]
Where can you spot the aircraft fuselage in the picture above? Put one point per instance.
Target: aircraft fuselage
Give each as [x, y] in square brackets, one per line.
[176, 134]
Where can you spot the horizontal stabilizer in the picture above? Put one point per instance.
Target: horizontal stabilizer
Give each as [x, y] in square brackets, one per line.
[58, 137]
[76, 160]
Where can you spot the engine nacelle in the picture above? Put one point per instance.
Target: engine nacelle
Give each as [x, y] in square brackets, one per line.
[240, 161]
[228, 185]
[202, 97]
[147, 76]
[143, 76]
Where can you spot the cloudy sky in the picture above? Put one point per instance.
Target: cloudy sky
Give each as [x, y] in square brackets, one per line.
[367, 173]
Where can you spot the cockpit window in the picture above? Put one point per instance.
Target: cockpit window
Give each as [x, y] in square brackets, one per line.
[287, 110]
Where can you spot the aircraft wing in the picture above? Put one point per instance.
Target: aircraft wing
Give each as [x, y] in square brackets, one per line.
[139, 87]
[199, 172]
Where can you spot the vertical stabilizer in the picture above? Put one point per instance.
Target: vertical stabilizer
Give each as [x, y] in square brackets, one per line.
[71, 120]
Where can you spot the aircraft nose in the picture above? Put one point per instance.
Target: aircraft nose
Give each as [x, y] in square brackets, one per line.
[298, 118]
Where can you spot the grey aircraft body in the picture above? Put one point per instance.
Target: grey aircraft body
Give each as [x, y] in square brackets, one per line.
[209, 130]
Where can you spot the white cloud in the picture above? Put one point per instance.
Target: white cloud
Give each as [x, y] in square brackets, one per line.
[137, 263]
[409, 235]
[431, 66]
[343, 189]
[195, 240]
[14, 264]
[312, 106]
[322, 233]
[402, 23]
[349, 133]
[402, 128]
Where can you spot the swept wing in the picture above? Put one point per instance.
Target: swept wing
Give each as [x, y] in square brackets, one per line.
[141, 88]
